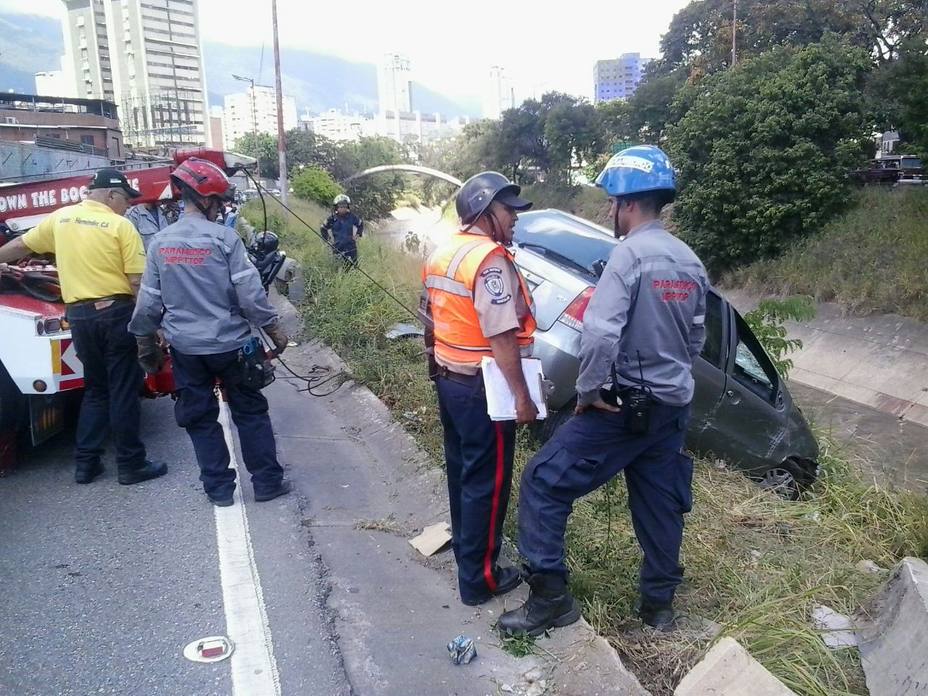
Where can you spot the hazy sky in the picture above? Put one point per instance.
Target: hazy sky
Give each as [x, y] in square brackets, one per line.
[451, 44]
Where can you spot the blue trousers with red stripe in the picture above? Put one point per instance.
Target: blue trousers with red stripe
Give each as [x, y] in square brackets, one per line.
[478, 455]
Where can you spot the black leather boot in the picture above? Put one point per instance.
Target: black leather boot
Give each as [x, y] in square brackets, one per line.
[146, 472]
[507, 579]
[549, 605]
[282, 488]
[658, 616]
[86, 474]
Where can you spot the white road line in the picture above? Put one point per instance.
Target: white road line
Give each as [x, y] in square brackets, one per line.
[254, 669]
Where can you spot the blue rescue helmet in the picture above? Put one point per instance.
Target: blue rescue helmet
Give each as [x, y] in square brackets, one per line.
[637, 169]
[480, 190]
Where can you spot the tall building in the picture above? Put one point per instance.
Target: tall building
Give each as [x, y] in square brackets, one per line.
[499, 96]
[145, 56]
[394, 84]
[254, 110]
[617, 79]
[87, 46]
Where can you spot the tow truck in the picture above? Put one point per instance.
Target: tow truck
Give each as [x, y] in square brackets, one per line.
[41, 376]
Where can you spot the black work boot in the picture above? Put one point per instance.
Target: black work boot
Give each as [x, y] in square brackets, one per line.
[282, 488]
[507, 579]
[549, 605]
[147, 471]
[86, 474]
[657, 616]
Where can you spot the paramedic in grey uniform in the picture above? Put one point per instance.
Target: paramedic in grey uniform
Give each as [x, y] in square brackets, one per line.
[200, 288]
[641, 332]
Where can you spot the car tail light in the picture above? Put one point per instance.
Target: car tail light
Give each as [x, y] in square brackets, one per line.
[573, 315]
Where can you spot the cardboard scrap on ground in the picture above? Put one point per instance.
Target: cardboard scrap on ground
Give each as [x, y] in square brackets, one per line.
[432, 539]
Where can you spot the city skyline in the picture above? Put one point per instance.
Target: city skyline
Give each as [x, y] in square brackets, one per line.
[537, 54]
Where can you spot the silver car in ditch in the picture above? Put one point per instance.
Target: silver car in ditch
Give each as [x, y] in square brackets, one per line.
[742, 409]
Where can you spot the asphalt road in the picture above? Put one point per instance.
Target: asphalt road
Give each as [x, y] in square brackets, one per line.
[102, 586]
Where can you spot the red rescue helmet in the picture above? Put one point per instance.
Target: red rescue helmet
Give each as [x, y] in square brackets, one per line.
[204, 179]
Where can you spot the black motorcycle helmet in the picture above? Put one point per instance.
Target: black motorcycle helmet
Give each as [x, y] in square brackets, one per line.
[265, 243]
[480, 190]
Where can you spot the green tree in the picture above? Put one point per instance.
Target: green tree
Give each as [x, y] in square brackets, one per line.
[264, 148]
[310, 150]
[764, 151]
[573, 135]
[699, 36]
[653, 107]
[372, 196]
[614, 124]
[898, 95]
[767, 323]
[317, 185]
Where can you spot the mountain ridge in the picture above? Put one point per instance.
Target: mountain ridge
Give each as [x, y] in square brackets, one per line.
[317, 81]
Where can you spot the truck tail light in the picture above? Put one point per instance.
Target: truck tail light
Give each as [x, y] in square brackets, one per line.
[573, 315]
[52, 326]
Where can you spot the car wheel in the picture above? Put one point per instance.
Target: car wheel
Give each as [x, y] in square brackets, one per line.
[556, 419]
[788, 480]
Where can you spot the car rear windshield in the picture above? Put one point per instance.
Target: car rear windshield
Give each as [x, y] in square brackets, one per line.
[564, 239]
[911, 163]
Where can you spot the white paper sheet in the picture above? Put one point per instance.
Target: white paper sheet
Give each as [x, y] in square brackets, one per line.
[501, 403]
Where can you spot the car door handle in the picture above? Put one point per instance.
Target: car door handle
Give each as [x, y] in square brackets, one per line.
[733, 396]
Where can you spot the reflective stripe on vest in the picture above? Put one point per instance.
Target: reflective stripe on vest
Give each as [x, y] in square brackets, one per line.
[449, 276]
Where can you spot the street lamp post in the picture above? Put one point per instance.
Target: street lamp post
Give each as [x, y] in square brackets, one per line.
[254, 122]
[281, 136]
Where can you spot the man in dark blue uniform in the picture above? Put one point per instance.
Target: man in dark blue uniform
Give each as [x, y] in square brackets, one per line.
[642, 330]
[345, 228]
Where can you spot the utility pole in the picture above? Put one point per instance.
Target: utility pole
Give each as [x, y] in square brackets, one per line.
[734, 32]
[281, 143]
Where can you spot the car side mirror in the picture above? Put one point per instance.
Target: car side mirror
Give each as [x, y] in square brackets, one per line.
[599, 266]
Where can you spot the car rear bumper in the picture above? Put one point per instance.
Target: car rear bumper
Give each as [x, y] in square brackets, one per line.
[558, 348]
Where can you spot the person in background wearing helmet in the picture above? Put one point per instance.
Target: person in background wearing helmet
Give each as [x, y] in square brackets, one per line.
[231, 218]
[100, 261]
[642, 330]
[345, 228]
[148, 219]
[202, 291]
[477, 304]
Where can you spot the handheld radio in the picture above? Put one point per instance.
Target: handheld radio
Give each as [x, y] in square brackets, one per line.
[255, 363]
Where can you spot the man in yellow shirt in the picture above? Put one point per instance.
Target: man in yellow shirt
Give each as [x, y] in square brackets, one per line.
[100, 262]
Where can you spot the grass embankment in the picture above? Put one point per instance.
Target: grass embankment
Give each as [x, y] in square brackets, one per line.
[871, 259]
[586, 201]
[754, 563]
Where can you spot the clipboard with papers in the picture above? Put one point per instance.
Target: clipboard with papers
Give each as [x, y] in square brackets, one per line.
[501, 402]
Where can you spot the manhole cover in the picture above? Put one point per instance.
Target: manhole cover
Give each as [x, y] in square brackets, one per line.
[212, 649]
